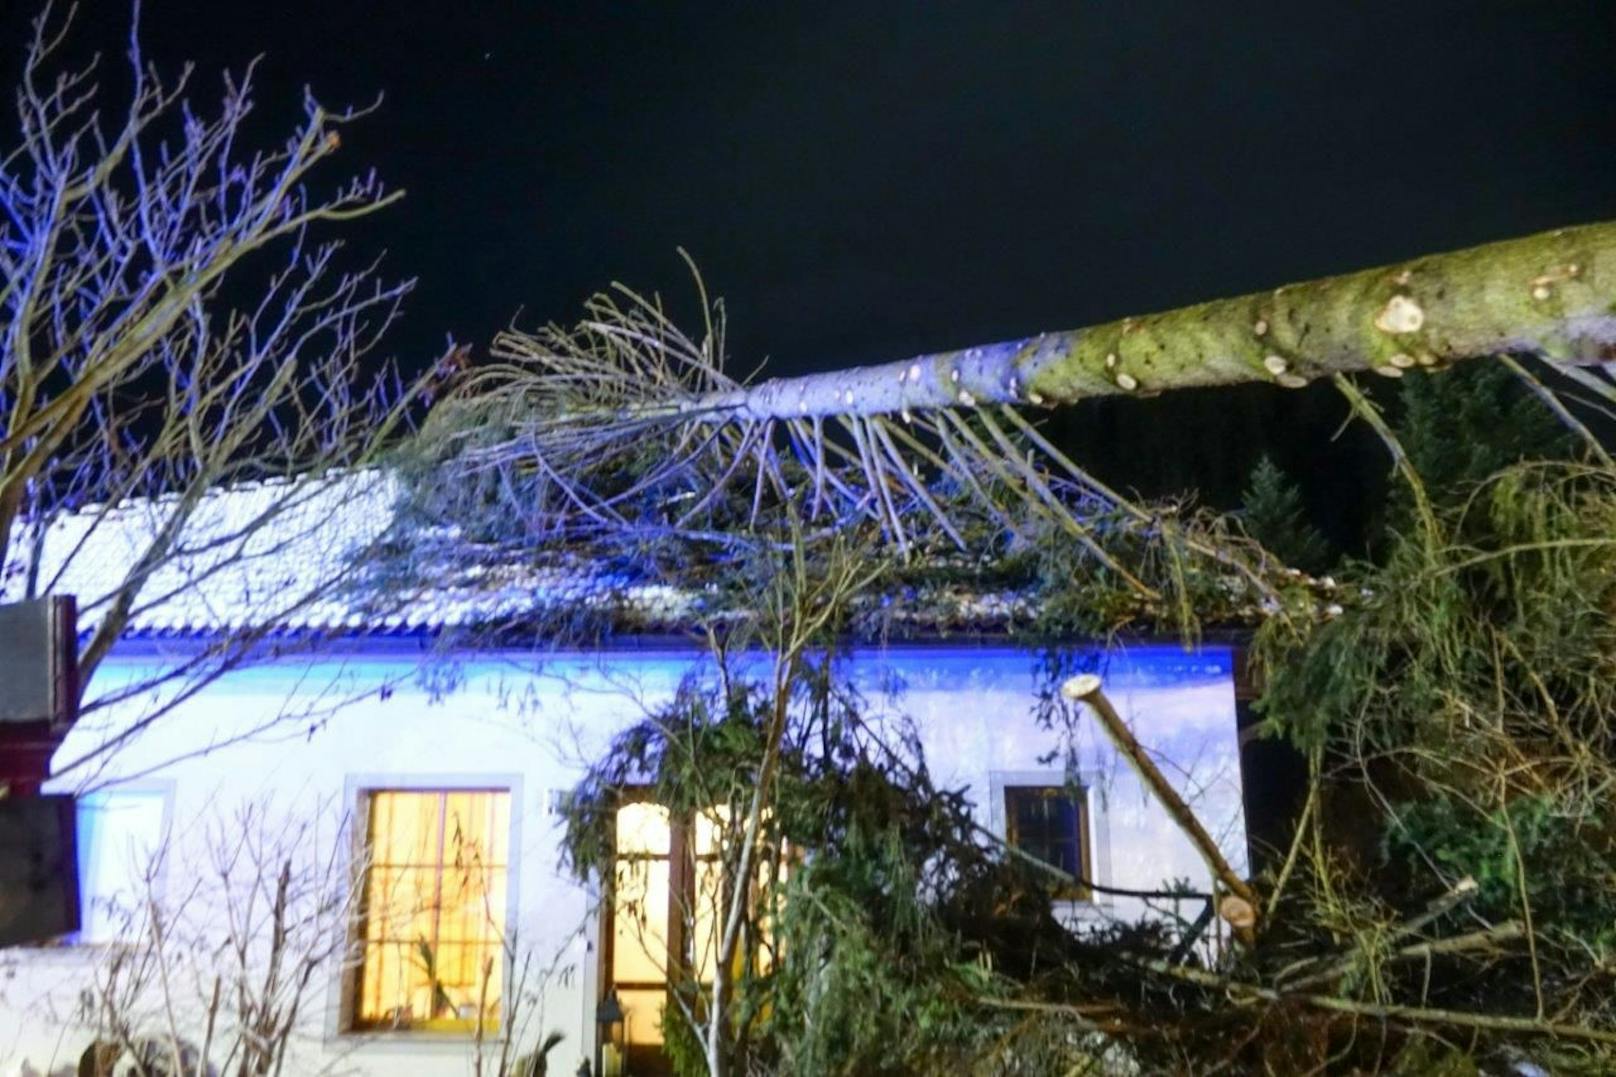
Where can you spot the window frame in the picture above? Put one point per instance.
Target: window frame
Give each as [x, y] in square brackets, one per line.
[684, 860]
[160, 787]
[1093, 846]
[679, 879]
[1077, 796]
[342, 1017]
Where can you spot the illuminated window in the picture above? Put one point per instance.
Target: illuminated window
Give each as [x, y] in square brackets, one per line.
[708, 895]
[433, 915]
[639, 941]
[1049, 823]
[667, 901]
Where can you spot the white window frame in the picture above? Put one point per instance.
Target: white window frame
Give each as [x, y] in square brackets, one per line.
[162, 787]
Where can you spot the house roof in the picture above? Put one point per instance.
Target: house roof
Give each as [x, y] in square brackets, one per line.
[256, 553]
[278, 556]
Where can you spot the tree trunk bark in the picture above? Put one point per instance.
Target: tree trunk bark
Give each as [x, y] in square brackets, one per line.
[1552, 294]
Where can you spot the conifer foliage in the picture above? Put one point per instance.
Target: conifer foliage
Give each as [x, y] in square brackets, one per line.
[1273, 513]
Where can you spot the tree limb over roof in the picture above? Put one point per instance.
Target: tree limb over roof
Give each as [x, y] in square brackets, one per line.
[621, 432]
[1552, 294]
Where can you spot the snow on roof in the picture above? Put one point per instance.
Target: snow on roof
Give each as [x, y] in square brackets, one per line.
[260, 554]
[279, 556]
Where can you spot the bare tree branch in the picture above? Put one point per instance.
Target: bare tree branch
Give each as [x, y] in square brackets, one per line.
[173, 321]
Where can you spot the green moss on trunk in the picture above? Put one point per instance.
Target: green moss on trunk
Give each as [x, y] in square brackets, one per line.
[1552, 294]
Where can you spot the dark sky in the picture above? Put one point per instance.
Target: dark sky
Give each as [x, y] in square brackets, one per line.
[864, 181]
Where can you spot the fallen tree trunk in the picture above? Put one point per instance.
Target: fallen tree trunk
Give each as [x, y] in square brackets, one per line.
[1552, 294]
[622, 427]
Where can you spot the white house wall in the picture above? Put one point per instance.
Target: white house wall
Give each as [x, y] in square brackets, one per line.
[973, 708]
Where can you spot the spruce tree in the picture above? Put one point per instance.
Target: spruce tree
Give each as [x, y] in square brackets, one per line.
[1274, 515]
[1464, 425]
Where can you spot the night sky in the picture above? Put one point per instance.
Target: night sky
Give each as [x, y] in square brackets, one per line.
[865, 181]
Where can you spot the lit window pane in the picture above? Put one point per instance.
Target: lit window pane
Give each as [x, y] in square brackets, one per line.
[640, 921]
[642, 1016]
[709, 914]
[709, 829]
[469, 900]
[497, 830]
[404, 828]
[434, 910]
[643, 828]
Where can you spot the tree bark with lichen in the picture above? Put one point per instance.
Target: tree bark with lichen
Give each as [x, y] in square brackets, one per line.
[1552, 294]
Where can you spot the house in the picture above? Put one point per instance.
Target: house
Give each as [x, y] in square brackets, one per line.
[414, 797]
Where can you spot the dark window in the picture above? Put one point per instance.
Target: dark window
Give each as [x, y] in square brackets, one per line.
[1050, 822]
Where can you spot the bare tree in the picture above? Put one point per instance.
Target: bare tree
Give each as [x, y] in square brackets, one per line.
[174, 320]
[223, 972]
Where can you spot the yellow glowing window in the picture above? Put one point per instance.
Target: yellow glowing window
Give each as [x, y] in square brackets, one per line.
[668, 900]
[433, 914]
[638, 945]
[710, 894]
